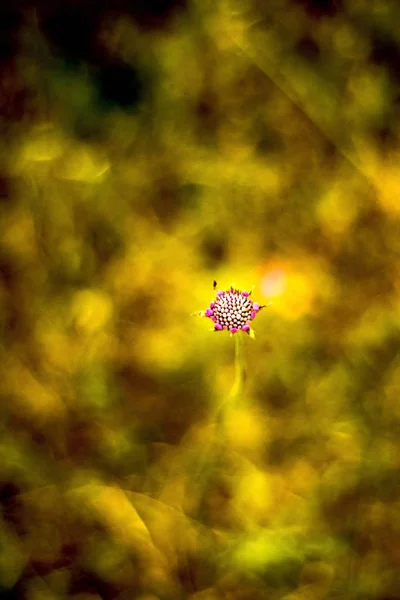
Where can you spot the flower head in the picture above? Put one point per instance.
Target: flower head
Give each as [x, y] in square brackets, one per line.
[232, 310]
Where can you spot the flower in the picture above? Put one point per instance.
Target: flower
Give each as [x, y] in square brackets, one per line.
[233, 310]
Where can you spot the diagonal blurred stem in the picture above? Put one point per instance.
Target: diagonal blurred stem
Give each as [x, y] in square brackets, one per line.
[214, 453]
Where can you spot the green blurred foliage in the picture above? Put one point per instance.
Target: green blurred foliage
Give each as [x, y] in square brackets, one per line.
[253, 143]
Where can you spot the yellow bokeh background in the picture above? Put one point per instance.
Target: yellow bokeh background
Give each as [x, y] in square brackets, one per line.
[150, 149]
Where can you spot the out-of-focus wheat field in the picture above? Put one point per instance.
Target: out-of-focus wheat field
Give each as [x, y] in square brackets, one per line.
[148, 149]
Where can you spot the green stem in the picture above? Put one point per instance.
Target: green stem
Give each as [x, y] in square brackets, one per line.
[214, 452]
[238, 384]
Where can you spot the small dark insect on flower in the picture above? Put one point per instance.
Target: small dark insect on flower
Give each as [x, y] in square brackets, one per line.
[232, 310]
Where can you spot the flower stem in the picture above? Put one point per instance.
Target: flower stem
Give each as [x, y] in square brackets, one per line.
[229, 401]
[238, 383]
[215, 452]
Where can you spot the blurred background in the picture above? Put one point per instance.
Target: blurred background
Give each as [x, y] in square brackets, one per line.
[149, 148]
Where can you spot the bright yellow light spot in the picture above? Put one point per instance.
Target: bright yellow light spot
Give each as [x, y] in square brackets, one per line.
[274, 283]
[290, 289]
[91, 310]
[254, 495]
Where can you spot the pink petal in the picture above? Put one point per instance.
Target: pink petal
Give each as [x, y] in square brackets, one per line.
[212, 304]
[246, 328]
[220, 293]
[256, 306]
[209, 312]
[253, 314]
[218, 326]
[245, 294]
[233, 329]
